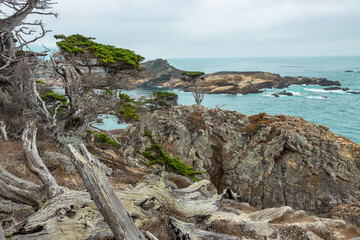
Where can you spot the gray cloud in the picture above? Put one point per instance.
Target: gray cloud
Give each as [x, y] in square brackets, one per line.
[215, 28]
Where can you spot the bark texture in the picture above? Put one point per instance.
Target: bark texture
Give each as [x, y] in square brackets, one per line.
[101, 191]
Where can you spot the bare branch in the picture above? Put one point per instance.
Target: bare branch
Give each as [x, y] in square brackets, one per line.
[35, 164]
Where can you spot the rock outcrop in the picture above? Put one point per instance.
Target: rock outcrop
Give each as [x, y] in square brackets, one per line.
[164, 75]
[269, 161]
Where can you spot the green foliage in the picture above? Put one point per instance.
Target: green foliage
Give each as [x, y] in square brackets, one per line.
[161, 95]
[157, 155]
[103, 138]
[108, 91]
[125, 97]
[129, 113]
[53, 96]
[192, 74]
[77, 44]
[40, 82]
[90, 131]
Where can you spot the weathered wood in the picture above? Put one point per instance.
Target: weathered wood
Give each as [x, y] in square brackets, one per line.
[36, 165]
[20, 191]
[26, 192]
[101, 191]
[3, 134]
[2, 236]
[150, 236]
[188, 231]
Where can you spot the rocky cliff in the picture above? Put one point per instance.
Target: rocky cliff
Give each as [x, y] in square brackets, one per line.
[269, 161]
[161, 73]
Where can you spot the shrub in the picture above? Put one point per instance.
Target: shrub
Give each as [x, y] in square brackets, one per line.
[129, 113]
[157, 155]
[53, 96]
[103, 138]
[125, 97]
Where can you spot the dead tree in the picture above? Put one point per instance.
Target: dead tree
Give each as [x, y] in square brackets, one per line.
[101, 191]
[194, 78]
[26, 192]
[19, 100]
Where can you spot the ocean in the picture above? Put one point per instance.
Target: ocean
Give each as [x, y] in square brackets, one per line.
[336, 109]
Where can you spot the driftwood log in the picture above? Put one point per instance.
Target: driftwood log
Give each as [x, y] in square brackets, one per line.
[3, 134]
[101, 191]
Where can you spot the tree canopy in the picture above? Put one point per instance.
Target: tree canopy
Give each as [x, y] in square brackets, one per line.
[77, 45]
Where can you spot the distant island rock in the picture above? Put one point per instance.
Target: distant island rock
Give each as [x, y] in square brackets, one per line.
[161, 74]
[284, 93]
[347, 90]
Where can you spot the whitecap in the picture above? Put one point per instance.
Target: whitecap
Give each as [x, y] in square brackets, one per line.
[316, 97]
[315, 90]
[326, 91]
[295, 93]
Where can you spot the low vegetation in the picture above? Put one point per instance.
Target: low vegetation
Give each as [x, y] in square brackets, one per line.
[103, 138]
[256, 121]
[157, 155]
[129, 106]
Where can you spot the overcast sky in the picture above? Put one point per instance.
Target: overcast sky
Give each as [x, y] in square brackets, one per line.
[215, 28]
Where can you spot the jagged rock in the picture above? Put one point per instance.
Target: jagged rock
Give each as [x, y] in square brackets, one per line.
[349, 212]
[336, 88]
[285, 93]
[269, 161]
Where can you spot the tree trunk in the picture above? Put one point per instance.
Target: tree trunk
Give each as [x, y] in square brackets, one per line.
[101, 191]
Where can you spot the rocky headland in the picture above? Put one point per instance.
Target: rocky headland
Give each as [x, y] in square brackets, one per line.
[268, 161]
[161, 73]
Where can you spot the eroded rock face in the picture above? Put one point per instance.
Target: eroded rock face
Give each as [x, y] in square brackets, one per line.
[269, 161]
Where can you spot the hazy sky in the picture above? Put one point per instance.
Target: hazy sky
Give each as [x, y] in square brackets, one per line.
[215, 28]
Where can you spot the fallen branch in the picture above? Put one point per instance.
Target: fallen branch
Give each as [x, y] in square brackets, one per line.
[104, 196]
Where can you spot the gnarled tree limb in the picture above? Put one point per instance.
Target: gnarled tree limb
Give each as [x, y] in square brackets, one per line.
[101, 191]
[35, 164]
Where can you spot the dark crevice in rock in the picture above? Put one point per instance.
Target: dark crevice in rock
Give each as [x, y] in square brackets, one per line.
[216, 172]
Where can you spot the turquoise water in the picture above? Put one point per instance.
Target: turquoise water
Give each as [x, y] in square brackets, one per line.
[337, 110]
